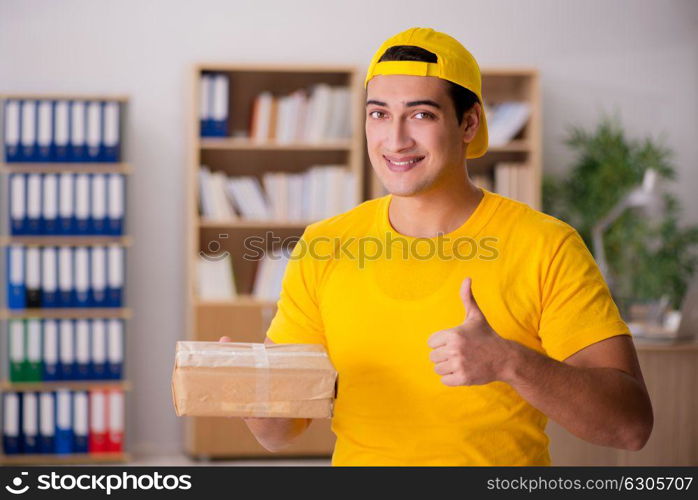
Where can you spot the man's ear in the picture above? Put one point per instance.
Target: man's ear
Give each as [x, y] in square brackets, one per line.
[471, 122]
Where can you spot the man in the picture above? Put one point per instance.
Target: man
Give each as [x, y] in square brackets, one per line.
[458, 320]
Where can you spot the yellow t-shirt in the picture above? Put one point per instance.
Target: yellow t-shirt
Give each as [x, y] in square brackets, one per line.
[533, 278]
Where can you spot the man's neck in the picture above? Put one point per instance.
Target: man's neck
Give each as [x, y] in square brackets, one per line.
[439, 211]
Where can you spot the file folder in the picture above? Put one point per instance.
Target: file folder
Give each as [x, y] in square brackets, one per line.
[77, 149]
[64, 425]
[205, 104]
[33, 369]
[18, 204]
[12, 131]
[98, 351]
[66, 350]
[115, 349]
[44, 137]
[115, 210]
[34, 204]
[28, 137]
[30, 423]
[82, 350]
[33, 277]
[98, 422]
[98, 215]
[98, 277]
[219, 106]
[115, 276]
[82, 204]
[66, 203]
[49, 278]
[16, 288]
[11, 436]
[115, 422]
[61, 132]
[82, 277]
[111, 140]
[47, 423]
[66, 287]
[80, 422]
[94, 131]
[49, 207]
[50, 350]
[17, 350]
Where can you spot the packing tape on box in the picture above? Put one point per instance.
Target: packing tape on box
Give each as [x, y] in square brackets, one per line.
[261, 361]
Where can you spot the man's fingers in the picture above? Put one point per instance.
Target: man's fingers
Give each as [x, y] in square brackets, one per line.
[438, 355]
[452, 380]
[444, 368]
[224, 339]
[440, 338]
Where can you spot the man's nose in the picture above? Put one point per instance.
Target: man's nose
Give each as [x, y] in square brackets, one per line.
[399, 137]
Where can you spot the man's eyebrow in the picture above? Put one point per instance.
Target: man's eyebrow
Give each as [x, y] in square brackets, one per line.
[373, 101]
[410, 104]
[424, 102]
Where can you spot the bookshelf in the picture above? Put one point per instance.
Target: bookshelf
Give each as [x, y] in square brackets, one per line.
[246, 317]
[524, 150]
[70, 313]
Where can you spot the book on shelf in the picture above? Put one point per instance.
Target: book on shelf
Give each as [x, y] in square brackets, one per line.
[269, 275]
[315, 115]
[216, 280]
[66, 204]
[63, 421]
[51, 350]
[505, 121]
[62, 131]
[213, 106]
[320, 192]
[64, 277]
[514, 180]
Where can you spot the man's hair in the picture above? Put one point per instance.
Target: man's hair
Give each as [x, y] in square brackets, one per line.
[463, 99]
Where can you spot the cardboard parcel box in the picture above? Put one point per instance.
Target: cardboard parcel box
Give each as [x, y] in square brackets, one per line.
[229, 379]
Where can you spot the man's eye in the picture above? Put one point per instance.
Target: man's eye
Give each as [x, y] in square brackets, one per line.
[376, 114]
[424, 115]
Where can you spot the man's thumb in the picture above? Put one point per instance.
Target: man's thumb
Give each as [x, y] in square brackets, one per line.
[466, 294]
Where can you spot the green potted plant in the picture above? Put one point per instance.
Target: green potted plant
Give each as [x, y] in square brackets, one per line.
[648, 258]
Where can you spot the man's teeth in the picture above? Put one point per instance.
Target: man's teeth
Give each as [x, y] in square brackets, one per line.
[404, 162]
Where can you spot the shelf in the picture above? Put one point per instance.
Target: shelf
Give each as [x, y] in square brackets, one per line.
[64, 384]
[519, 146]
[240, 301]
[66, 97]
[73, 458]
[61, 168]
[108, 313]
[52, 240]
[235, 144]
[226, 224]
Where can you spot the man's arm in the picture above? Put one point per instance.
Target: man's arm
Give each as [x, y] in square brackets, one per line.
[598, 393]
[275, 434]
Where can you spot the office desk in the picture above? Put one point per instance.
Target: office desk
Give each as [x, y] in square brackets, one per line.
[671, 375]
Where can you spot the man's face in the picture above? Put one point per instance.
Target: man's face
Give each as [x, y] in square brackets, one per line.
[414, 140]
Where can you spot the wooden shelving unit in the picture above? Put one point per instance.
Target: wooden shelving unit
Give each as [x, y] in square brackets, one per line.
[63, 313]
[57, 168]
[246, 318]
[500, 85]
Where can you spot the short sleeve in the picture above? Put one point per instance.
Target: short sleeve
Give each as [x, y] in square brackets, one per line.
[297, 319]
[577, 309]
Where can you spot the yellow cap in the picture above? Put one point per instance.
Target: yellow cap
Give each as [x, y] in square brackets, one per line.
[454, 63]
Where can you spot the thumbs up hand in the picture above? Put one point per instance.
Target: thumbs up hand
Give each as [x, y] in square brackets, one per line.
[471, 353]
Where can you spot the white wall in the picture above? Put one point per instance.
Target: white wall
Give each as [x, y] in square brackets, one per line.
[639, 57]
